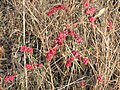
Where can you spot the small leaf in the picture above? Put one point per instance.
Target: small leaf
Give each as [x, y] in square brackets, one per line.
[90, 49]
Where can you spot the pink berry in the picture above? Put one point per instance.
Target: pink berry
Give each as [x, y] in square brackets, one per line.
[34, 65]
[29, 66]
[79, 40]
[85, 61]
[14, 75]
[65, 31]
[82, 83]
[72, 58]
[62, 7]
[55, 8]
[79, 57]
[76, 35]
[23, 48]
[62, 35]
[90, 10]
[50, 12]
[30, 50]
[7, 78]
[74, 24]
[68, 64]
[92, 19]
[86, 3]
[51, 51]
[72, 33]
[99, 78]
[49, 56]
[67, 26]
[109, 25]
[75, 53]
[40, 65]
[11, 78]
[59, 41]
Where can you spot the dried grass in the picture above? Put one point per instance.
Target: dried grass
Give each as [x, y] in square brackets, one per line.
[100, 46]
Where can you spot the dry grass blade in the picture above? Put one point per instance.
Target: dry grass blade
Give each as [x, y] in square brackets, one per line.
[52, 45]
[2, 52]
[102, 11]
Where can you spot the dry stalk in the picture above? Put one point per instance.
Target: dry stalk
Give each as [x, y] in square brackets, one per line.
[24, 58]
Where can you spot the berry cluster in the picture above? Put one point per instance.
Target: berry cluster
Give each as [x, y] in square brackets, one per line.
[99, 78]
[59, 41]
[31, 66]
[10, 78]
[79, 57]
[26, 49]
[55, 8]
[109, 25]
[86, 3]
[68, 32]
[51, 52]
[91, 10]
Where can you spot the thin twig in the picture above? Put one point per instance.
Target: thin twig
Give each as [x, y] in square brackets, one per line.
[51, 77]
[26, 81]
[72, 83]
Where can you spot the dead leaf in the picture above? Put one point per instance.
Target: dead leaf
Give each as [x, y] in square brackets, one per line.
[101, 12]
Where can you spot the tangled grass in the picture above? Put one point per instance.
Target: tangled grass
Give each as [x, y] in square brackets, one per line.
[27, 23]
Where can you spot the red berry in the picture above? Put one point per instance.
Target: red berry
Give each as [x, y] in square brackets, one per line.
[74, 24]
[29, 66]
[65, 31]
[79, 56]
[92, 19]
[23, 48]
[79, 40]
[90, 10]
[34, 65]
[7, 78]
[86, 3]
[99, 78]
[82, 83]
[61, 35]
[50, 12]
[48, 56]
[85, 61]
[11, 78]
[72, 58]
[30, 50]
[71, 33]
[75, 53]
[40, 65]
[68, 63]
[109, 25]
[76, 35]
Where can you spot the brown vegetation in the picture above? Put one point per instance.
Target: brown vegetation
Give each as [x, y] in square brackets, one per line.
[27, 23]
